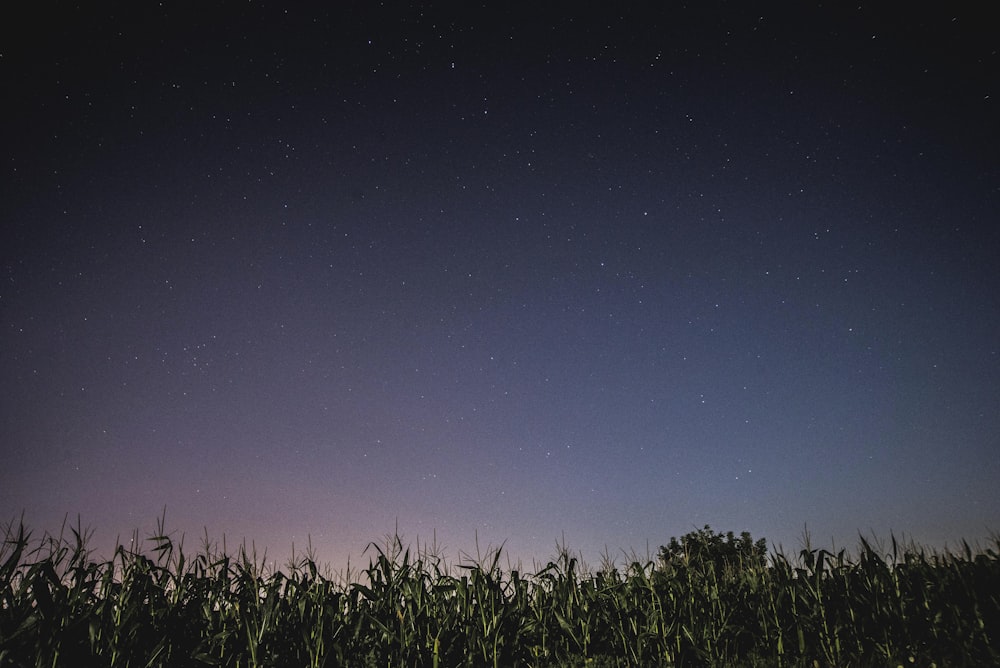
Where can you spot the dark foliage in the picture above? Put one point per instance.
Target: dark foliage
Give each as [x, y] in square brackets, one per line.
[711, 599]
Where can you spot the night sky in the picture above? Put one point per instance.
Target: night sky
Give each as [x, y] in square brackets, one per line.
[516, 273]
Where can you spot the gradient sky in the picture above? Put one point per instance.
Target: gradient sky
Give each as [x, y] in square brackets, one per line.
[522, 274]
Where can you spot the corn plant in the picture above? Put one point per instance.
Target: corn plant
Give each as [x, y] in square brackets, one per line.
[709, 600]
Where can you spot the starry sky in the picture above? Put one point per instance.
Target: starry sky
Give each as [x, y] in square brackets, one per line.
[515, 273]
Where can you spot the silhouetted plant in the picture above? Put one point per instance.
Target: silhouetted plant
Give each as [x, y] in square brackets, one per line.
[711, 599]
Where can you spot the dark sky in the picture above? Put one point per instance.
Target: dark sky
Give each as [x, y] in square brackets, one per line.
[519, 273]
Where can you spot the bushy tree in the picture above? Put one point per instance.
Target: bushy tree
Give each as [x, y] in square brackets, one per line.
[724, 552]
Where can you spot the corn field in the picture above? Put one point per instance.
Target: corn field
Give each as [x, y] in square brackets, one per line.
[704, 600]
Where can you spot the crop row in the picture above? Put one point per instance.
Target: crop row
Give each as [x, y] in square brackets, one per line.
[705, 600]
